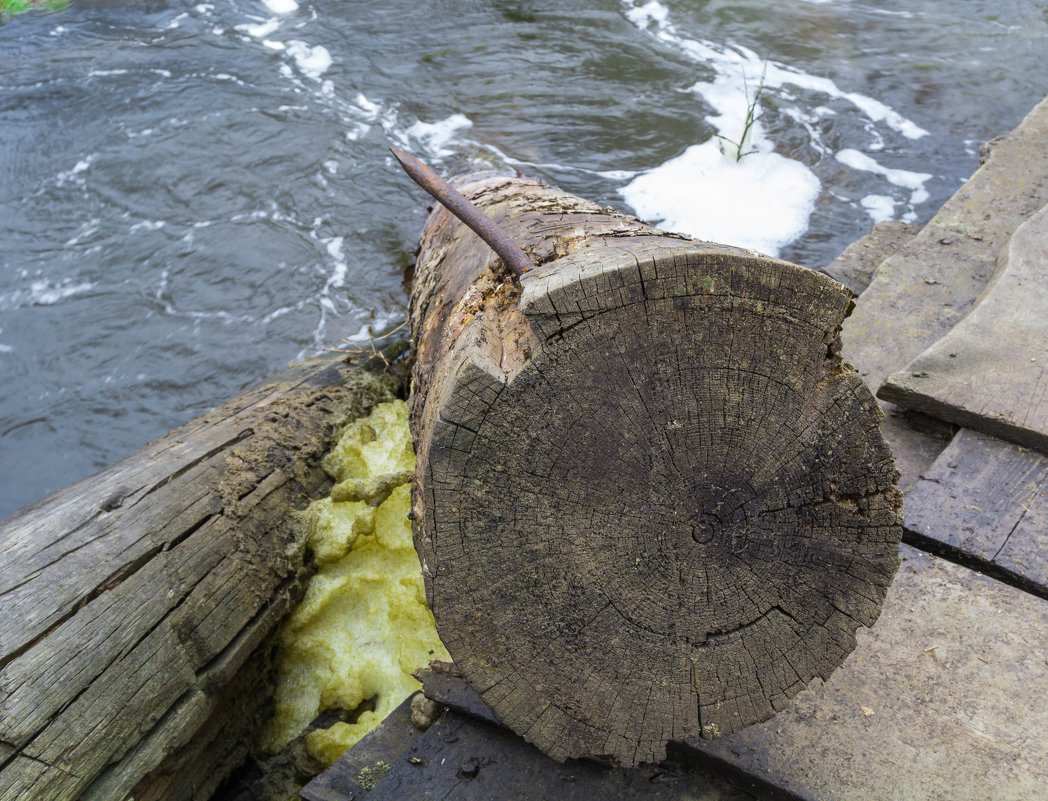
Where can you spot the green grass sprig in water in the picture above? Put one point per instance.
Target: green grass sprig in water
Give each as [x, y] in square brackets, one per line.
[8, 8]
[752, 116]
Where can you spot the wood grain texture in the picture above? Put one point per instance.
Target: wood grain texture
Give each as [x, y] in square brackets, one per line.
[990, 371]
[651, 500]
[365, 764]
[941, 700]
[985, 502]
[131, 601]
[924, 288]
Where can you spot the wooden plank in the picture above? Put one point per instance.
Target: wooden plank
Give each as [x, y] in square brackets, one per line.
[922, 290]
[990, 371]
[363, 765]
[855, 267]
[943, 698]
[985, 502]
[464, 759]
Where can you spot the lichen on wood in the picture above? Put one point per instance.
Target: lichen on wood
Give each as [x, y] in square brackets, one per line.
[362, 627]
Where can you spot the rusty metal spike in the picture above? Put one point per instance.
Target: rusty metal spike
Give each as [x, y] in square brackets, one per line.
[480, 223]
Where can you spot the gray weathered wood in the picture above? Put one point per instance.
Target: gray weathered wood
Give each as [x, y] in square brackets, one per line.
[919, 292]
[856, 266]
[443, 683]
[131, 602]
[990, 371]
[985, 502]
[943, 699]
[364, 765]
[651, 501]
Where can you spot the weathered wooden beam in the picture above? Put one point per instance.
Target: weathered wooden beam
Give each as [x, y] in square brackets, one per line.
[460, 758]
[856, 266]
[984, 503]
[921, 291]
[131, 602]
[651, 500]
[990, 371]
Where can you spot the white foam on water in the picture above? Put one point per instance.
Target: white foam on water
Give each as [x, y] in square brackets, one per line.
[147, 225]
[366, 105]
[281, 6]
[86, 229]
[106, 73]
[42, 293]
[762, 200]
[334, 247]
[274, 45]
[616, 175]
[260, 30]
[313, 60]
[879, 207]
[435, 137]
[72, 174]
[177, 21]
[905, 179]
[378, 324]
[46, 294]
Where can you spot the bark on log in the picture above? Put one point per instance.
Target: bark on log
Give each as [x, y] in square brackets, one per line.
[133, 604]
[651, 501]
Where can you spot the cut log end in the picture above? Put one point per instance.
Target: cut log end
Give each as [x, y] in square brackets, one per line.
[669, 514]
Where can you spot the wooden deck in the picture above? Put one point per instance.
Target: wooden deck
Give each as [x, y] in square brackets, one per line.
[944, 697]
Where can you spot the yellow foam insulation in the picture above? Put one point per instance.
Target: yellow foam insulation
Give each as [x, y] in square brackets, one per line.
[363, 625]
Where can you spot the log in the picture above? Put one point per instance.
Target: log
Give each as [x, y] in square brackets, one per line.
[135, 605]
[651, 501]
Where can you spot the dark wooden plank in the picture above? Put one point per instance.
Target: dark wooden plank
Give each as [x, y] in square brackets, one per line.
[442, 683]
[985, 503]
[365, 763]
[990, 371]
[465, 759]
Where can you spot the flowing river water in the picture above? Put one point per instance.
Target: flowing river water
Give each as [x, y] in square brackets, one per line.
[194, 195]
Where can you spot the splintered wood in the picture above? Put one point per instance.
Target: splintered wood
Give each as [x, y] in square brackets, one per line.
[651, 501]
